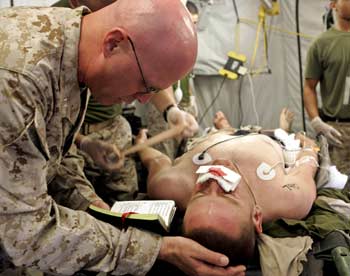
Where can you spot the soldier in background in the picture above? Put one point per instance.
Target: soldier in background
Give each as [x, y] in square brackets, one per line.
[328, 64]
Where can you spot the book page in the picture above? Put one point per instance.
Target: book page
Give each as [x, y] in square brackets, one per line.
[163, 208]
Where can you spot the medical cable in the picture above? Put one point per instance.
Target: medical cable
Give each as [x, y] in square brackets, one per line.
[213, 101]
[241, 117]
[237, 42]
[253, 99]
[246, 181]
[237, 48]
[277, 153]
[237, 27]
[201, 155]
[236, 10]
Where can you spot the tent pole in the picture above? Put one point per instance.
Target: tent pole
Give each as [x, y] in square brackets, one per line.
[300, 63]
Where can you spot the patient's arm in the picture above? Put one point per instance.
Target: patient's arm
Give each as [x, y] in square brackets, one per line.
[155, 161]
[302, 177]
[286, 120]
[164, 180]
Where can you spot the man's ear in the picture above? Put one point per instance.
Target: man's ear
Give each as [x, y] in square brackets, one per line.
[257, 219]
[112, 39]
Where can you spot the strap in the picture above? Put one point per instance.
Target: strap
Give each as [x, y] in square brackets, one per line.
[165, 112]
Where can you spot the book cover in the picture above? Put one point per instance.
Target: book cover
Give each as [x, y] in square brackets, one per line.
[152, 215]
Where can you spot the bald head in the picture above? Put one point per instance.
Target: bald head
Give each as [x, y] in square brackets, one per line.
[93, 5]
[164, 40]
[164, 34]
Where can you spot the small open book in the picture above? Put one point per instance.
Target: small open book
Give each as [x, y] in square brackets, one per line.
[153, 215]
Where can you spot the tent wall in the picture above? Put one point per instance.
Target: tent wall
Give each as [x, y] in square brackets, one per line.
[272, 91]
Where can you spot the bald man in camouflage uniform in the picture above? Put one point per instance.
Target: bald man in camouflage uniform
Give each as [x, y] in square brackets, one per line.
[41, 110]
[104, 123]
[40, 115]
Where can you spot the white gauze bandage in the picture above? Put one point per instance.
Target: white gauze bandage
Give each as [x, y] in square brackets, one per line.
[307, 159]
[226, 178]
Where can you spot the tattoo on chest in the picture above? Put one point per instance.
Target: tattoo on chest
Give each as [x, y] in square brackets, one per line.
[291, 186]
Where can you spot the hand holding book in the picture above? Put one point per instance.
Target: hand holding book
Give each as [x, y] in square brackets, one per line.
[154, 215]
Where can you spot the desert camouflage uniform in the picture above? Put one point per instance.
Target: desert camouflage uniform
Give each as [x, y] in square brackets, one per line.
[111, 187]
[340, 155]
[121, 185]
[155, 125]
[69, 186]
[41, 110]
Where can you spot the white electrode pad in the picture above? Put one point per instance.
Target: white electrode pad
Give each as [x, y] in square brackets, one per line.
[265, 172]
[201, 158]
[226, 178]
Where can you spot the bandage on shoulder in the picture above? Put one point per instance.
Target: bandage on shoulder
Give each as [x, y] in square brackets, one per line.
[226, 178]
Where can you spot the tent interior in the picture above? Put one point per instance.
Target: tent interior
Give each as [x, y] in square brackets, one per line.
[271, 45]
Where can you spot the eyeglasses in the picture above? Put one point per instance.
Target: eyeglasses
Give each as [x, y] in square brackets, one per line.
[149, 89]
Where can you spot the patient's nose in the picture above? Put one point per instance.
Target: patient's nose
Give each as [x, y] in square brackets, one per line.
[212, 187]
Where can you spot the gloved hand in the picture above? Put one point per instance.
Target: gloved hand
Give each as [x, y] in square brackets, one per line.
[332, 135]
[175, 117]
[105, 155]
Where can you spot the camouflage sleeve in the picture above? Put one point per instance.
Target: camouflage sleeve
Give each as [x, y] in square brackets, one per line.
[70, 187]
[34, 230]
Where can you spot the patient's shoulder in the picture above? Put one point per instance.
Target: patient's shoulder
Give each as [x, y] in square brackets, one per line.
[299, 194]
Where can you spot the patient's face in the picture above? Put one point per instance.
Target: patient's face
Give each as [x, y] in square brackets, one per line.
[211, 207]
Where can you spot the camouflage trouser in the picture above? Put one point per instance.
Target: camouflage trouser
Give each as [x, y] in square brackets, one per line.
[121, 185]
[157, 124]
[340, 156]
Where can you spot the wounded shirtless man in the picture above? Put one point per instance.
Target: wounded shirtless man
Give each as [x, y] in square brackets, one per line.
[229, 221]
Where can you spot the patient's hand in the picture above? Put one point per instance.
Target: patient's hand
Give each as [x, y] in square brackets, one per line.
[286, 119]
[194, 259]
[220, 121]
